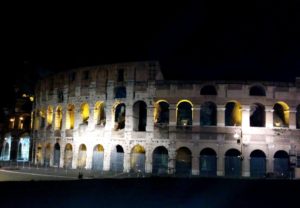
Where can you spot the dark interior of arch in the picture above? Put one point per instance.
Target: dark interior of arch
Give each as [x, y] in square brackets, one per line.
[120, 116]
[120, 92]
[208, 151]
[257, 115]
[57, 147]
[257, 91]
[281, 154]
[233, 153]
[119, 148]
[208, 114]
[208, 90]
[278, 115]
[163, 116]
[139, 116]
[257, 153]
[229, 114]
[160, 150]
[184, 115]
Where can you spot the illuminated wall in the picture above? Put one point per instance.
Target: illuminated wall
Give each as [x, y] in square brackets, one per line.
[5, 153]
[58, 118]
[85, 113]
[23, 149]
[99, 113]
[49, 116]
[70, 117]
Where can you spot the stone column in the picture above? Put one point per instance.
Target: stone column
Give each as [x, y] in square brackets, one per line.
[270, 158]
[62, 156]
[245, 116]
[195, 165]
[196, 116]
[220, 165]
[148, 162]
[129, 118]
[89, 157]
[106, 161]
[269, 116]
[110, 117]
[293, 114]
[172, 161]
[245, 163]
[64, 114]
[127, 162]
[220, 115]
[91, 116]
[172, 115]
[150, 119]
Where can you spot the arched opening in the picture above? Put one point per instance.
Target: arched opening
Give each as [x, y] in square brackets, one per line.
[58, 118]
[117, 159]
[56, 157]
[257, 115]
[98, 158]
[233, 163]
[208, 90]
[208, 114]
[49, 116]
[208, 162]
[47, 155]
[281, 115]
[39, 155]
[85, 113]
[139, 116]
[160, 161]
[36, 120]
[120, 112]
[137, 160]
[23, 149]
[43, 118]
[257, 164]
[233, 114]
[161, 112]
[68, 156]
[183, 162]
[6, 151]
[184, 114]
[281, 163]
[257, 91]
[298, 117]
[120, 92]
[99, 114]
[81, 161]
[70, 117]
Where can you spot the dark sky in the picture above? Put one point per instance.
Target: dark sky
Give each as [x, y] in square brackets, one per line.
[192, 40]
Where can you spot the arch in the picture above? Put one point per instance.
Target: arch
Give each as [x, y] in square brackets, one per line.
[23, 148]
[43, 118]
[257, 163]
[233, 113]
[81, 161]
[184, 113]
[161, 112]
[208, 162]
[98, 158]
[298, 117]
[6, 151]
[281, 163]
[39, 154]
[49, 116]
[117, 159]
[56, 157]
[47, 155]
[36, 120]
[183, 165]
[257, 90]
[70, 117]
[99, 113]
[137, 159]
[120, 115]
[85, 113]
[208, 90]
[257, 115]
[139, 116]
[233, 163]
[160, 160]
[281, 114]
[208, 114]
[58, 118]
[68, 156]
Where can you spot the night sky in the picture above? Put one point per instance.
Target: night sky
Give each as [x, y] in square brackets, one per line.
[192, 40]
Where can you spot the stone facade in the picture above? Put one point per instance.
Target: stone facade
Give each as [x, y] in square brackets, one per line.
[93, 117]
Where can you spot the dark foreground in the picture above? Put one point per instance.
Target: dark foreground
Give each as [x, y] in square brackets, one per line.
[152, 192]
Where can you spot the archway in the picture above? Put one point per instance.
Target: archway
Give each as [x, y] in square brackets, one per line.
[99, 114]
[70, 117]
[208, 162]
[56, 157]
[47, 155]
[139, 116]
[137, 159]
[160, 161]
[233, 163]
[85, 113]
[257, 163]
[184, 114]
[39, 155]
[49, 116]
[68, 156]
[117, 159]
[120, 113]
[98, 158]
[281, 115]
[281, 163]
[81, 160]
[183, 162]
[208, 114]
[233, 114]
[161, 112]
[257, 115]
[58, 118]
[6, 151]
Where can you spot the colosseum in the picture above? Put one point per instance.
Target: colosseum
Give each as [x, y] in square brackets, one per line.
[126, 117]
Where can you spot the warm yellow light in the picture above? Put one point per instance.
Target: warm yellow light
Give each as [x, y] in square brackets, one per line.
[12, 119]
[85, 112]
[31, 98]
[24, 95]
[21, 118]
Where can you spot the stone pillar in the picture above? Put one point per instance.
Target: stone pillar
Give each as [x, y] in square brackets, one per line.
[110, 117]
[172, 161]
[64, 115]
[91, 116]
[129, 118]
[106, 161]
[75, 156]
[89, 157]
[245, 116]
[195, 165]
[293, 120]
[77, 117]
[62, 156]
[127, 162]
[148, 162]
[220, 115]
[245, 163]
[220, 165]
[270, 158]
[150, 119]
[269, 116]
[172, 115]
[196, 116]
